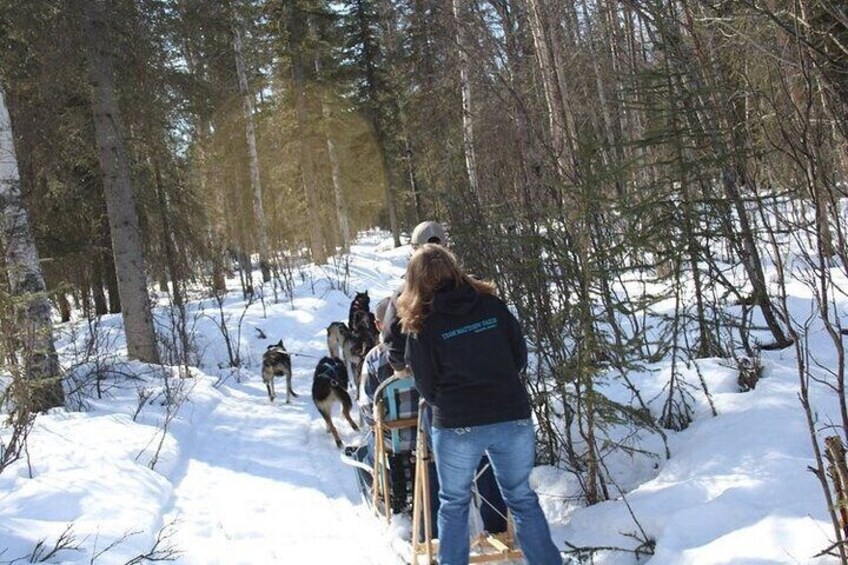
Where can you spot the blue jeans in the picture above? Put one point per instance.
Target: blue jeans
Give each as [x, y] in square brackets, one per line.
[511, 448]
[493, 508]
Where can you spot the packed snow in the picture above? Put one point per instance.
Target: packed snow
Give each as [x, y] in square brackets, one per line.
[207, 466]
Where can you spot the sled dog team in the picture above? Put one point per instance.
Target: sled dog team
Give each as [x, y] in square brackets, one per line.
[347, 346]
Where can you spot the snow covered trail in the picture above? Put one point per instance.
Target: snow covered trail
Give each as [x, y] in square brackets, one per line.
[263, 482]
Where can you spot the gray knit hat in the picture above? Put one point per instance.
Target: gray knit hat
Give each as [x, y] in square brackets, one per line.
[427, 232]
[382, 306]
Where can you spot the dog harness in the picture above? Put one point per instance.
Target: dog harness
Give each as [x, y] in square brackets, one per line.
[330, 373]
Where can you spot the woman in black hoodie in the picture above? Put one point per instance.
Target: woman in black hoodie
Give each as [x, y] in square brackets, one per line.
[466, 351]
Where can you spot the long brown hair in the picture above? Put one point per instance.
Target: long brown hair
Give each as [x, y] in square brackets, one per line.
[430, 268]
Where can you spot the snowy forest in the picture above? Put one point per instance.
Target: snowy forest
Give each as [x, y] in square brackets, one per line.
[656, 187]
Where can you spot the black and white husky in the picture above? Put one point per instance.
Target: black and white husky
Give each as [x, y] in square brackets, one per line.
[329, 386]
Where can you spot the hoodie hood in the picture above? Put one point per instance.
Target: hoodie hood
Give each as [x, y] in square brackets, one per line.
[456, 300]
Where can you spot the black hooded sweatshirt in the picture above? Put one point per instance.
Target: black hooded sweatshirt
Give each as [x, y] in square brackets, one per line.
[467, 359]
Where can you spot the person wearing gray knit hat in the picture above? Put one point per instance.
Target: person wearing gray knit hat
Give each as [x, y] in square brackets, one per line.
[427, 232]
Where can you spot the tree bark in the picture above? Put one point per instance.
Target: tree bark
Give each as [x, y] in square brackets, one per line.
[26, 282]
[120, 200]
[546, 28]
[100, 308]
[106, 260]
[167, 237]
[250, 133]
[64, 306]
[732, 178]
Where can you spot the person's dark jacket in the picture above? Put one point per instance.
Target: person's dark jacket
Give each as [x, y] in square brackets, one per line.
[393, 336]
[467, 358]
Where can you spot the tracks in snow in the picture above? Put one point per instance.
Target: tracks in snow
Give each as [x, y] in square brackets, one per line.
[263, 483]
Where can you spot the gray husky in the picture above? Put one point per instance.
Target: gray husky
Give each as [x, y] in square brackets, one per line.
[350, 346]
[276, 362]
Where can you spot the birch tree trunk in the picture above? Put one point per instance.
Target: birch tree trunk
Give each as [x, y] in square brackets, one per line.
[465, 90]
[41, 367]
[253, 154]
[336, 174]
[120, 200]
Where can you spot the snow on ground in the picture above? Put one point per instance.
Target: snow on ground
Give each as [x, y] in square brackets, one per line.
[237, 479]
[736, 489]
